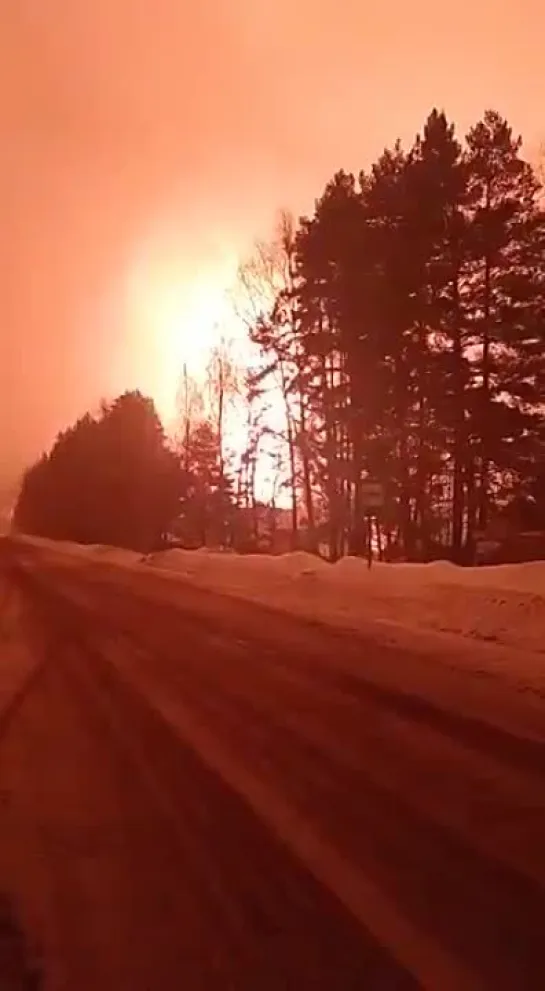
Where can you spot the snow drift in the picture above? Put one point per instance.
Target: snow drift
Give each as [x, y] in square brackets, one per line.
[505, 604]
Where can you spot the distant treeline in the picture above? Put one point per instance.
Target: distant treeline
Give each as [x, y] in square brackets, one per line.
[108, 479]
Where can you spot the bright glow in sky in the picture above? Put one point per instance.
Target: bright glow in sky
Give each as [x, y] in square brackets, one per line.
[179, 319]
[184, 127]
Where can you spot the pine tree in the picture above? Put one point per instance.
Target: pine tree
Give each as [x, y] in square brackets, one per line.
[207, 509]
[342, 300]
[439, 192]
[507, 291]
[109, 479]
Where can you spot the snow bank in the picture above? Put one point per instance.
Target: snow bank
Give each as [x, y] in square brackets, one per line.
[100, 552]
[504, 604]
[238, 570]
[114, 555]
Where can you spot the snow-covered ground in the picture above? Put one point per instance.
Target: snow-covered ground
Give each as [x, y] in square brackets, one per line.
[97, 552]
[502, 605]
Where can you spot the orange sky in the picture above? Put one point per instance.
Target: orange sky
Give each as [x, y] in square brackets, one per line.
[145, 142]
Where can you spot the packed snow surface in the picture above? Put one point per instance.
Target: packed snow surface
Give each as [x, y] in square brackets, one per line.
[503, 605]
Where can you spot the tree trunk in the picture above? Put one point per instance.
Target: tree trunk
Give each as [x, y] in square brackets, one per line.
[253, 500]
[330, 449]
[471, 507]
[459, 446]
[290, 435]
[357, 540]
[404, 512]
[485, 411]
[307, 477]
[421, 496]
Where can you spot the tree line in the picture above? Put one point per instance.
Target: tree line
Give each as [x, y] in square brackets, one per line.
[110, 478]
[407, 330]
[116, 478]
[402, 328]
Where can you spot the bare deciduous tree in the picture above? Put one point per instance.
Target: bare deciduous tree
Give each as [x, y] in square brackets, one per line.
[266, 303]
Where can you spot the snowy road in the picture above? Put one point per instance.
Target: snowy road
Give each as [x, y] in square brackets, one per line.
[201, 793]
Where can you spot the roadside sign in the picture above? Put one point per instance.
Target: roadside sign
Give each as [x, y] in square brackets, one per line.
[372, 495]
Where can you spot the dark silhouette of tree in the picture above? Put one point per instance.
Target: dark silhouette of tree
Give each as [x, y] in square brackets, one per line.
[108, 479]
[506, 304]
[527, 506]
[268, 303]
[208, 509]
[419, 291]
[246, 497]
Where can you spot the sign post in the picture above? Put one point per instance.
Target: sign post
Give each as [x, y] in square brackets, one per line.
[372, 496]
